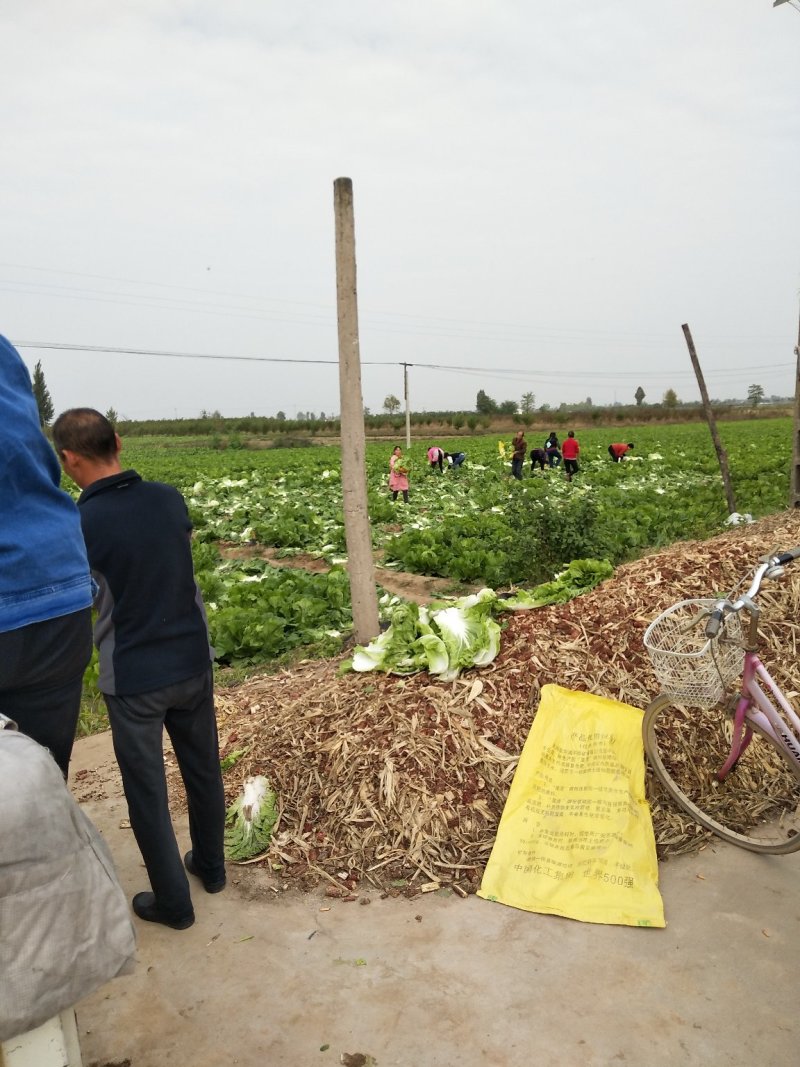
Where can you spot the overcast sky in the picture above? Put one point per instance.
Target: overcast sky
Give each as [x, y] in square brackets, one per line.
[544, 192]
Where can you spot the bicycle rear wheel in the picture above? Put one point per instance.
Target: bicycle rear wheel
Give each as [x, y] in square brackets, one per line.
[757, 807]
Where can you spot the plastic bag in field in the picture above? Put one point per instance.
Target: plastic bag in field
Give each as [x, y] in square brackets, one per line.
[576, 837]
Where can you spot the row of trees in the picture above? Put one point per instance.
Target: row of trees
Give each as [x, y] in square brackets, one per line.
[256, 428]
[485, 406]
[280, 416]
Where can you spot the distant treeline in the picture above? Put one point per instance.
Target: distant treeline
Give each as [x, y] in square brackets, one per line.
[452, 422]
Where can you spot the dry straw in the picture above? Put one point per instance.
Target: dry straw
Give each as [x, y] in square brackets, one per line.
[391, 782]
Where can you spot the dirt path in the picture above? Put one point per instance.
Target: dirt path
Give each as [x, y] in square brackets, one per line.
[420, 588]
[274, 978]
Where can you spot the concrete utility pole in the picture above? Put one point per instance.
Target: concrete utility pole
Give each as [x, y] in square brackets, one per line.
[357, 532]
[722, 455]
[794, 480]
[794, 477]
[408, 405]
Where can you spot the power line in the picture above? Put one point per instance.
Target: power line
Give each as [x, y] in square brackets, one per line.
[109, 349]
[554, 378]
[508, 373]
[538, 336]
[132, 300]
[152, 285]
[418, 325]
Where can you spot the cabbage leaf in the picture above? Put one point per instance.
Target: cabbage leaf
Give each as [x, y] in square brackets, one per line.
[250, 820]
[450, 637]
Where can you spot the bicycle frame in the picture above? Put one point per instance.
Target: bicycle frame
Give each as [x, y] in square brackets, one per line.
[754, 706]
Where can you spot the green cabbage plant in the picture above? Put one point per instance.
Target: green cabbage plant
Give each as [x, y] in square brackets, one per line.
[446, 640]
[250, 820]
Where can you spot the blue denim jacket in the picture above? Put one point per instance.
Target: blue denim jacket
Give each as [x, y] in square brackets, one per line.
[44, 573]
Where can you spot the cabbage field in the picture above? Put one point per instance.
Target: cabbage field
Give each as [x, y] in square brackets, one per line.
[473, 525]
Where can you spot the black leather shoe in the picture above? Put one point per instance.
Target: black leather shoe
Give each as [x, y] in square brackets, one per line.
[144, 905]
[210, 887]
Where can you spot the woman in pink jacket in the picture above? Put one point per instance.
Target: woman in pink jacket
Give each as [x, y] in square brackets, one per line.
[436, 458]
[398, 475]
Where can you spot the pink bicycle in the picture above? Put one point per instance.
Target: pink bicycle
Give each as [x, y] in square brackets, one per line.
[731, 761]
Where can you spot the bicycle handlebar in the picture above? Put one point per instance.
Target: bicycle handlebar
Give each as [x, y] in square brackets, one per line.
[714, 622]
[767, 568]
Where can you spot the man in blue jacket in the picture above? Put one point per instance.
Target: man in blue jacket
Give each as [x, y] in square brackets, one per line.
[45, 585]
[155, 660]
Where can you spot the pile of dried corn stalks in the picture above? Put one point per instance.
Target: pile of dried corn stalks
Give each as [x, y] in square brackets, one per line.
[384, 780]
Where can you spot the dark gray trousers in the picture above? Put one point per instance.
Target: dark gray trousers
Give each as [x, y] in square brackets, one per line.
[137, 722]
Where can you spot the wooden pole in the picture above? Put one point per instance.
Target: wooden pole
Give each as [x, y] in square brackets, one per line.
[794, 480]
[358, 536]
[408, 406]
[722, 455]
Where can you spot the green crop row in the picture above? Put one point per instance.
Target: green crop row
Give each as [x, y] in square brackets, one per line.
[474, 524]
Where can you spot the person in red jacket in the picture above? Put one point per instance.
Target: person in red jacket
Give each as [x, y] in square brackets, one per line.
[617, 451]
[569, 452]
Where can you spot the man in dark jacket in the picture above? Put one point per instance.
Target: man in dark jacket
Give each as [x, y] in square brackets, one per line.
[45, 585]
[155, 660]
[519, 450]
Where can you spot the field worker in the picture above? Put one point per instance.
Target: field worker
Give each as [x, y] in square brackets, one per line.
[155, 660]
[45, 585]
[455, 459]
[436, 458]
[617, 451]
[553, 449]
[519, 448]
[570, 450]
[398, 475]
[538, 455]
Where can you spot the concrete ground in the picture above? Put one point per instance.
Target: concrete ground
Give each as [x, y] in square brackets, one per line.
[266, 979]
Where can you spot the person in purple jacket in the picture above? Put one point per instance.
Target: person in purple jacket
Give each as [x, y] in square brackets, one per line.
[45, 584]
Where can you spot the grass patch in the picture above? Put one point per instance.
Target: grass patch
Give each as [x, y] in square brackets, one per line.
[93, 716]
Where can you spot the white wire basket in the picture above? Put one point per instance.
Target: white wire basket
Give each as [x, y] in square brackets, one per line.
[690, 666]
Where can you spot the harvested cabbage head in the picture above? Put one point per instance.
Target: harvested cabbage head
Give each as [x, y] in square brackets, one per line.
[469, 633]
[442, 642]
[449, 638]
[250, 820]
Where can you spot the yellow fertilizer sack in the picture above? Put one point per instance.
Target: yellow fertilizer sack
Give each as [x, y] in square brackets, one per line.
[576, 837]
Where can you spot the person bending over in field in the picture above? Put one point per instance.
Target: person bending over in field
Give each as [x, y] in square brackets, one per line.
[570, 450]
[155, 660]
[436, 458]
[455, 459]
[617, 451]
[538, 455]
[398, 474]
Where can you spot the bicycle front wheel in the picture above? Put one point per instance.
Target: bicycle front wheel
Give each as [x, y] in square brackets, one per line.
[756, 807]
